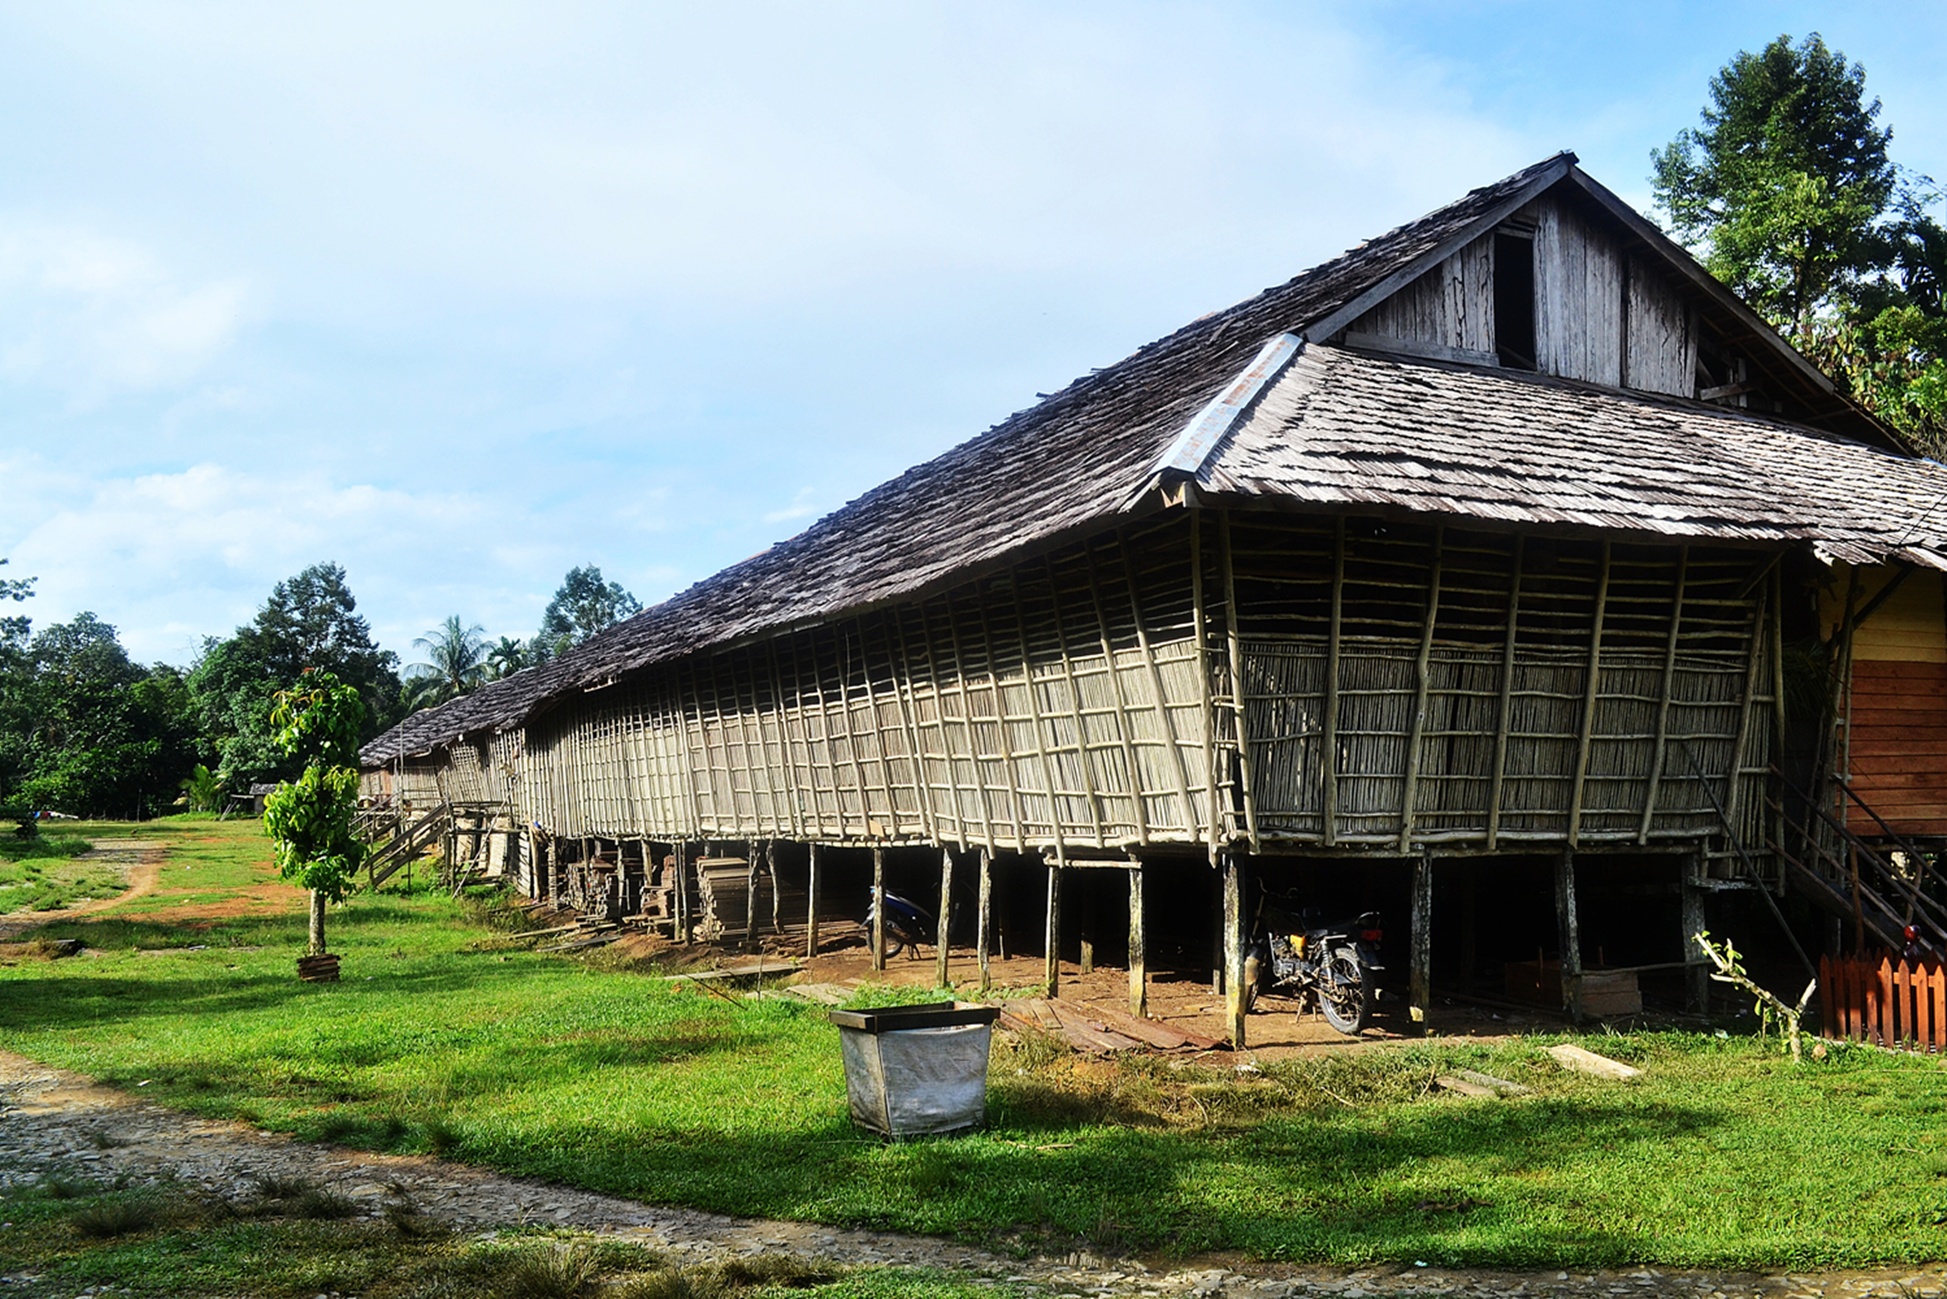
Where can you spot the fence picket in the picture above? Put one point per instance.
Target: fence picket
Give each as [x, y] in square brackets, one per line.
[1900, 1004]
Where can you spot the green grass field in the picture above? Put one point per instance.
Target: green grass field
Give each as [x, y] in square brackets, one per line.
[444, 1037]
[41, 873]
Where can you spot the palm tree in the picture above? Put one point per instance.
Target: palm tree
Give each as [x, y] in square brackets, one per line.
[456, 662]
[507, 658]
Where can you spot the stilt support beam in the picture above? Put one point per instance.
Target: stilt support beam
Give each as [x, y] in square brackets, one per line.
[878, 909]
[985, 937]
[813, 883]
[1138, 959]
[1051, 942]
[1233, 948]
[940, 977]
[1571, 934]
[1419, 995]
[1696, 976]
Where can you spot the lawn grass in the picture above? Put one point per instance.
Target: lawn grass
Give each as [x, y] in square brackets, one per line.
[168, 1239]
[444, 1037]
[39, 872]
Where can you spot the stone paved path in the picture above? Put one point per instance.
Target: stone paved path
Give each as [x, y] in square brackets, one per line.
[55, 1121]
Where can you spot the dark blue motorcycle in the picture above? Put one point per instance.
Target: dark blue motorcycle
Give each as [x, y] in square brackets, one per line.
[907, 926]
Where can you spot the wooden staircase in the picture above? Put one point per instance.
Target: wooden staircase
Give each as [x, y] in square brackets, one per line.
[407, 842]
[1882, 885]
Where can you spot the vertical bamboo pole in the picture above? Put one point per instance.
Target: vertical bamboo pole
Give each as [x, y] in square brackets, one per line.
[946, 917]
[1006, 754]
[1329, 760]
[1571, 934]
[1052, 935]
[1138, 803]
[1592, 690]
[878, 908]
[1178, 767]
[1234, 644]
[1419, 996]
[683, 892]
[1234, 950]
[909, 714]
[813, 884]
[1777, 623]
[786, 758]
[1202, 634]
[1041, 735]
[851, 736]
[986, 921]
[1075, 695]
[1505, 717]
[1423, 681]
[966, 721]
[750, 897]
[1651, 795]
[1138, 945]
[1734, 797]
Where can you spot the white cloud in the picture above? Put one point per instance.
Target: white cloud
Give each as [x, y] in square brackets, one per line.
[802, 506]
[90, 315]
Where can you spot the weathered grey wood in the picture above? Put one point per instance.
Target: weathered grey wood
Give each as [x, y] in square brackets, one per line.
[1419, 995]
[1138, 946]
[814, 889]
[1422, 678]
[986, 919]
[1418, 347]
[1652, 794]
[1582, 1060]
[1734, 797]
[1571, 934]
[1234, 950]
[1591, 692]
[1095, 806]
[940, 976]
[1051, 936]
[1178, 767]
[878, 908]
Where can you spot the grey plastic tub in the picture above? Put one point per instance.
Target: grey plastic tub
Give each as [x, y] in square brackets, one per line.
[913, 1071]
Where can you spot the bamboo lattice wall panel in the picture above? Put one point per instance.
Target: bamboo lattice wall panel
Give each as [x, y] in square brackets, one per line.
[1418, 684]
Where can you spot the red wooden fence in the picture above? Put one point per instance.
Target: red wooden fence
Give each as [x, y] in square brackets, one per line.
[1892, 1003]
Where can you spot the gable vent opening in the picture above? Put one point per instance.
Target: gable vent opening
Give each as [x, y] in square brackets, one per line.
[1514, 298]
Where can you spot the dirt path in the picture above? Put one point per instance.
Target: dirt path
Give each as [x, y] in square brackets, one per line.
[140, 864]
[57, 1123]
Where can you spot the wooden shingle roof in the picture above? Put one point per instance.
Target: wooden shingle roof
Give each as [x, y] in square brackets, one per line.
[1088, 453]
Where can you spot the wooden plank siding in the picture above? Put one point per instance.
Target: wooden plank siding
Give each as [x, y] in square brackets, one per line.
[1894, 713]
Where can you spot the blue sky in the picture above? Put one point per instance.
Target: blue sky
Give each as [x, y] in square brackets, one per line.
[461, 295]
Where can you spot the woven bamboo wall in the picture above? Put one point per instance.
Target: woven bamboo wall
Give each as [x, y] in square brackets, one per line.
[1015, 712]
[1482, 689]
[1493, 689]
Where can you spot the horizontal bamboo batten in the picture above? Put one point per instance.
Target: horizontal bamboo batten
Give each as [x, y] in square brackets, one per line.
[1397, 685]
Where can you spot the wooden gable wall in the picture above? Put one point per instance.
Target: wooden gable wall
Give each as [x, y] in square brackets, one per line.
[1603, 315]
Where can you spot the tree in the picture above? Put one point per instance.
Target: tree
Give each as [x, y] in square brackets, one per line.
[457, 662]
[583, 606]
[310, 819]
[1787, 183]
[507, 658]
[86, 730]
[310, 622]
[1790, 194]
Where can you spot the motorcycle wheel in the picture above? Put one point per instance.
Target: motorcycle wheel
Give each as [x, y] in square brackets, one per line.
[1345, 993]
[895, 941]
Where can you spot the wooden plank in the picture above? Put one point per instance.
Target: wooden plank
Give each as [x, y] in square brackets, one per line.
[1138, 947]
[1579, 1060]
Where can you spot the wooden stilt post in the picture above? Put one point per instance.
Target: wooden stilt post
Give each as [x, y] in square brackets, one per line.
[1696, 977]
[1217, 947]
[750, 897]
[1051, 943]
[683, 892]
[813, 883]
[1420, 974]
[1087, 888]
[1571, 934]
[1138, 956]
[1234, 949]
[940, 978]
[878, 908]
[986, 917]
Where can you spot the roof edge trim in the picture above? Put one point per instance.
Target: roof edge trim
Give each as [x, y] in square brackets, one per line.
[1207, 428]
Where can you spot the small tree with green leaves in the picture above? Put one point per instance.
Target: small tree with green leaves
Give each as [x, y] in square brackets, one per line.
[311, 818]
